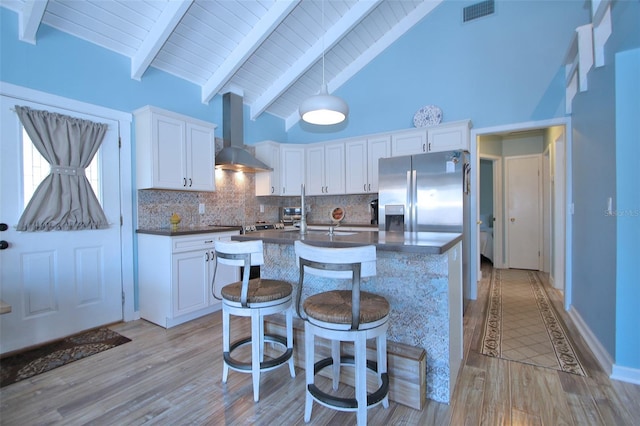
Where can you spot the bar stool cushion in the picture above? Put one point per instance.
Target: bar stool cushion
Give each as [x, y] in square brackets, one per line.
[335, 307]
[260, 290]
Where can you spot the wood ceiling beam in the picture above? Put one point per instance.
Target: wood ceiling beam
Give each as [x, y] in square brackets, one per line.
[30, 18]
[332, 36]
[158, 36]
[267, 24]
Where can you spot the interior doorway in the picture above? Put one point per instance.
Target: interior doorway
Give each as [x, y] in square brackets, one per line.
[492, 147]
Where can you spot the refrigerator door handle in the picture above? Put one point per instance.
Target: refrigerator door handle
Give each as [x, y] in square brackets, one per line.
[412, 193]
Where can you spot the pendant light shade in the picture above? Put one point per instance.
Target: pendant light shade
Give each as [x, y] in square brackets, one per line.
[323, 108]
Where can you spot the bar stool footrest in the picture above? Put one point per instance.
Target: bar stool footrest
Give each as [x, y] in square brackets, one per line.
[265, 365]
[348, 403]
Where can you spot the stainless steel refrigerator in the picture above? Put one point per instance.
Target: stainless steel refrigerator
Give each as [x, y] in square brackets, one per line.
[427, 193]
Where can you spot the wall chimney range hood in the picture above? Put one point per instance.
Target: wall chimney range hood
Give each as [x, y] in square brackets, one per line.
[233, 156]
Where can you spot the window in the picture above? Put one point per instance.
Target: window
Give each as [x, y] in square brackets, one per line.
[36, 168]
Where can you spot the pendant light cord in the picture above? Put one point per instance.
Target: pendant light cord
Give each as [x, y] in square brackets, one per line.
[323, 34]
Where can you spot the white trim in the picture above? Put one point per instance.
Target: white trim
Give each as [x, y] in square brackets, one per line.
[126, 203]
[625, 374]
[602, 356]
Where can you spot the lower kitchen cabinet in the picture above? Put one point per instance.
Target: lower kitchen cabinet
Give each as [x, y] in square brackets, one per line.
[175, 274]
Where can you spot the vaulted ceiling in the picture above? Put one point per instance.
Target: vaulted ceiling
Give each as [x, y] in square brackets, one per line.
[268, 51]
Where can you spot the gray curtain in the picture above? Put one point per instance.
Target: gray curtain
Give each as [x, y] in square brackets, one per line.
[64, 200]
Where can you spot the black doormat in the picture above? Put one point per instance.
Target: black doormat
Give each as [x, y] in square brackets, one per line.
[23, 365]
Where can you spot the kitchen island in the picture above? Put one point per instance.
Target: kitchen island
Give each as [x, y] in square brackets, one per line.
[420, 274]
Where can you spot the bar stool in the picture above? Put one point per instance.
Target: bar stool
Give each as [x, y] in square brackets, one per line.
[344, 315]
[253, 298]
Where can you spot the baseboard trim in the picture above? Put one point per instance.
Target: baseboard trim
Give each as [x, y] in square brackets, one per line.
[626, 374]
[601, 354]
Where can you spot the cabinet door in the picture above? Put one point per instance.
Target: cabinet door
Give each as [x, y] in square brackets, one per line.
[449, 137]
[356, 180]
[292, 169]
[190, 282]
[200, 158]
[379, 147]
[315, 170]
[168, 151]
[334, 169]
[409, 143]
[268, 183]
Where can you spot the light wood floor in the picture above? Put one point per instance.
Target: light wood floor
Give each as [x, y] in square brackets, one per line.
[172, 377]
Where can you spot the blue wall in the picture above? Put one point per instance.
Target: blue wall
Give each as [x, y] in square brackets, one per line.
[504, 68]
[595, 179]
[628, 207]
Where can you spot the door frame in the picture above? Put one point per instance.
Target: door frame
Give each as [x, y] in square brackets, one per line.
[126, 201]
[498, 256]
[474, 262]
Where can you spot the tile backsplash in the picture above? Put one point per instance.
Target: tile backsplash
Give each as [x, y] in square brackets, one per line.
[234, 203]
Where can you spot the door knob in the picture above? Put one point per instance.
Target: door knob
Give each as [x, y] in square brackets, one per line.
[513, 219]
[4, 245]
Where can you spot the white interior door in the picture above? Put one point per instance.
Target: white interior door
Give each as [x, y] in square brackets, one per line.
[59, 282]
[524, 214]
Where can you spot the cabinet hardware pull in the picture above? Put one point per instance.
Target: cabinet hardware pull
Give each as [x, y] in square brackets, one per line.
[273, 189]
[208, 241]
[206, 256]
[190, 182]
[184, 181]
[369, 187]
[364, 187]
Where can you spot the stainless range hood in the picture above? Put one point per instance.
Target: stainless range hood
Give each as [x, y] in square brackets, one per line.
[233, 156]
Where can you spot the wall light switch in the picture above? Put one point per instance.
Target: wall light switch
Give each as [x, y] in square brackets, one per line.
[261, 208]
[201, 208]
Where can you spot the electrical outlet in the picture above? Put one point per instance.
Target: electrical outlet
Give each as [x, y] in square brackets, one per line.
[261, 208]
[201, 208]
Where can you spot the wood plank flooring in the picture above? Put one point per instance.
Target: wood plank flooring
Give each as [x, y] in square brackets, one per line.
[173, 377]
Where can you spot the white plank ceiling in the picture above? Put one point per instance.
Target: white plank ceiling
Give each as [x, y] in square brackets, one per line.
[268, 51]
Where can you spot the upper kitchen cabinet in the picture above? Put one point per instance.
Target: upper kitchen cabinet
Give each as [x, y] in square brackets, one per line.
[325, 169]
[362, 157]
[291, 169]
[173, 151]
[443, 137]
[268, 183]
[449, 136]
[287, 162]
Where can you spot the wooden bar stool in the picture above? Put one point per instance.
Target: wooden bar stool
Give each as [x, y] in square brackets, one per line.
[344, 315]
[253, 298]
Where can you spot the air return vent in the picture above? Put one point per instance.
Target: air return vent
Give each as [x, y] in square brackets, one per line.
[478, 10]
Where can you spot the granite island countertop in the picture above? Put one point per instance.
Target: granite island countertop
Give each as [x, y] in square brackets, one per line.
[408, 242]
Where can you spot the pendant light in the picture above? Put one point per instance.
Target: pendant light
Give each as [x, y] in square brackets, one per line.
[323, 108]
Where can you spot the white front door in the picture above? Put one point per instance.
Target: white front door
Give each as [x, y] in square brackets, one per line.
[523, 215]
[60, 282]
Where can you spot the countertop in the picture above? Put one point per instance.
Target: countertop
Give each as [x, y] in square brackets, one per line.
[186, 230]
[409, 242]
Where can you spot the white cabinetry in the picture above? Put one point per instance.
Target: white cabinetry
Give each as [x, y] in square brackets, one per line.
[291, 169]
[268, 183]
[173, 151]
[175, 274]
[443, 137]
[409, 142]
[325, 169]
[449, 136]
[362, 157]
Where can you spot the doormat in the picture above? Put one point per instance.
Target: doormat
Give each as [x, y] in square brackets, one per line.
[29, 363]
[521, 324]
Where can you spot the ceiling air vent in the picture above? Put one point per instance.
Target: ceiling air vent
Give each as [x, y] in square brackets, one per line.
[478, 10]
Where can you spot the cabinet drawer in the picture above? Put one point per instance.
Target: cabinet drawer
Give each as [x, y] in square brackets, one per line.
[198, 242]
